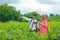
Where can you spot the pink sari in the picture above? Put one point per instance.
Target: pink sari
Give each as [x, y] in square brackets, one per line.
[43, 26]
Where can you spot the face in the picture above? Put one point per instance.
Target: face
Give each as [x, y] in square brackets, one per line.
[34, 17]
[43, 17]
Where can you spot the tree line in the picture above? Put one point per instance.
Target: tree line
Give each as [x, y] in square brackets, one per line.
[9, 13]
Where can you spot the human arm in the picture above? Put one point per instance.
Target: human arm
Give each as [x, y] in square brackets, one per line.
[28, 19]
[45, 23]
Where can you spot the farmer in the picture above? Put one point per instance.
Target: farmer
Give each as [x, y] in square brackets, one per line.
[43, 25]
[33, 22]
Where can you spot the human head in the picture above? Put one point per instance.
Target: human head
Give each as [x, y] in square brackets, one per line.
[43, 16]
[34, 16]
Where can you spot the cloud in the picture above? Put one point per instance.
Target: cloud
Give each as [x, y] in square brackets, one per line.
[32, 5]
[49, 1]
[56, 9]
[41, 6]
[8, 1]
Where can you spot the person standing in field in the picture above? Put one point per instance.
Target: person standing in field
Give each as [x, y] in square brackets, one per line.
[43, 25]
[33, 22]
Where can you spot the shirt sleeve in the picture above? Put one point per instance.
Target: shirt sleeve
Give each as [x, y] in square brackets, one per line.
[28, 19]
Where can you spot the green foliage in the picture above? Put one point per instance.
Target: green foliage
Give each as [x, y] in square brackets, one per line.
[20, 31]
[8, 13]
[55, 17]
[17, 31]
[54, 30]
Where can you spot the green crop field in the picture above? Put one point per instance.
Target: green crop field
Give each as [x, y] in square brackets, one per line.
[20, 31]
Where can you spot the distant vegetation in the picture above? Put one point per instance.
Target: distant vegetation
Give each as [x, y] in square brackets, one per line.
[9, 13]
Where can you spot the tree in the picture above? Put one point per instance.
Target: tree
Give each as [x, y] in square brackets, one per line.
[8, 13]
[51, 15]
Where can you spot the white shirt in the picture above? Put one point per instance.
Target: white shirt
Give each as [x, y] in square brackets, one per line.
[31, 21]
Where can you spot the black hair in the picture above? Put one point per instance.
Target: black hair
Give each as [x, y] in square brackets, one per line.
[34, 15]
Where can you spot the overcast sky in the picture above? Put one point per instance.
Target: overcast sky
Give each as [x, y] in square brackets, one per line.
[41, 6]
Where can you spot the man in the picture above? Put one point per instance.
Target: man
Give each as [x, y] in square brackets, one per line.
[33, 22]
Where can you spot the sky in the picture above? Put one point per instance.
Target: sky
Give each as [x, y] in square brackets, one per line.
[41, 6]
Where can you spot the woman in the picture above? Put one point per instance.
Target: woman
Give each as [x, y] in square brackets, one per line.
[43, 25]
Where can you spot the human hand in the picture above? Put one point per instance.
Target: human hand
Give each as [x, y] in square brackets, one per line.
[21, 16]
